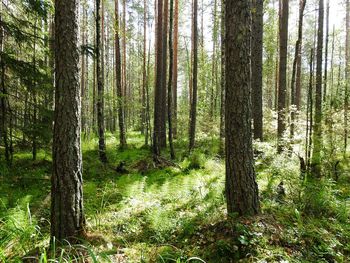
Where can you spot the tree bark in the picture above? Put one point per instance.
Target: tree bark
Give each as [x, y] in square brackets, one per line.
[257, 63]
[170, 99]
[67, 213]
[158, 81]
[193, 108]
[317, 128]
[175, 66]
[118, 73]
[296, 73]
[282, 79]
[241, 187]
[100, 88]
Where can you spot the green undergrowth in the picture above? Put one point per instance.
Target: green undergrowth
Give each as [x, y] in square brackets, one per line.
[176, 213]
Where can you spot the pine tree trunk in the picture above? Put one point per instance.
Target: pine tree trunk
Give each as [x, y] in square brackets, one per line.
[317, 128]
[175, 66]
[257, 63]
[222, 83]
[100, 87]
[170, 99]
[241, 187]
[193, 108]
[164, 74]
[295, 88]
[67, 215]
[282, 79]
[158, 81]
[119, 88]
[326, 55]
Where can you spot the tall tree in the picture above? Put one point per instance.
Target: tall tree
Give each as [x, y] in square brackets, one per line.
[193, 106]
[241, 187]
[282, 79]
[317, 128]
[170, 93]
[326, 54]
[257, 63]
[175, 65]
[67, 213]
[164, 73]
[100, 86]
[222, 82]
[158, 81]
[118, 73]
[296, 73]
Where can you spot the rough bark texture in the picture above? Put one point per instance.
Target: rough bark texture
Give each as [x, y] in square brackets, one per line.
[67, 215]
[158, 81]
[257, 63]
[282, 79]
[317, 128]
[100, 88]
[241, 187]
[118, 73]
[193, 108]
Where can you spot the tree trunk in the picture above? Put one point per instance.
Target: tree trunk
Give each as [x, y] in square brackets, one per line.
[193, 109]
[67, 215]
[118, 73]
[158, 81]
[222, 83]
[241, 187]
[282, 79]
[175, 66]
[296, 73]
[170, 99]
[326, 55]
[317, 128]
[164, 74]
[257, 63]
[100, 88]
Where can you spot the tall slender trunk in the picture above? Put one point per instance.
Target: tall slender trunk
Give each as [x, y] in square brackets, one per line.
[295, 88]
[317, 129]
[222, 82]
[144, 70]
[193, 109]
[34, 97]
[214, 63]
[158, 81]
[282, 80]
[164, 74]
[171, 61]
[118, 74]
[257, 63]
[325, 84]
[309, 112]
[175, 66]
[100, 87]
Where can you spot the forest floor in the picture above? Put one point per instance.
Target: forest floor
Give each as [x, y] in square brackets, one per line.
[176, 214]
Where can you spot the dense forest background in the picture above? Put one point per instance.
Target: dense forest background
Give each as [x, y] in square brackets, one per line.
[174, 131]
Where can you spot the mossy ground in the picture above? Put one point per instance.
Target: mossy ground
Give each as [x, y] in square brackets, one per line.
[177, 214]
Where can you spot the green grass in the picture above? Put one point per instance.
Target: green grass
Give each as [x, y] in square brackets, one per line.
[175, 214]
